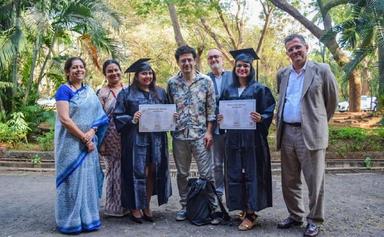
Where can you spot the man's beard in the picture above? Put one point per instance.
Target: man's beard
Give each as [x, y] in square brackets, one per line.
[216, 66]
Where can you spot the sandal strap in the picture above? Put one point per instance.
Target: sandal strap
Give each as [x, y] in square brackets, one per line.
[251, 216]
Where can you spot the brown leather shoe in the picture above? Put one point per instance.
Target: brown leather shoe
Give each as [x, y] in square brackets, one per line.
[288, 223]
[311, 230]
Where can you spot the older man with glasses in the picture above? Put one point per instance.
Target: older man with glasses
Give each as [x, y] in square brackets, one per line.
[221, 80]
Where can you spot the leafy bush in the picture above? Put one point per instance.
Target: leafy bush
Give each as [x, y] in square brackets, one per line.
[5, 132]
[347, 139]
[46, 141]
[357, 134]
[35, 114]
[15, 129]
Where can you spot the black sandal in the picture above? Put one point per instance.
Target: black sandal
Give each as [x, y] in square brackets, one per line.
[147, 218]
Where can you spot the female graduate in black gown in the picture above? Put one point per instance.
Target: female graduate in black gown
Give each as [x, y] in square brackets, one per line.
[144, 158]
[248, 166]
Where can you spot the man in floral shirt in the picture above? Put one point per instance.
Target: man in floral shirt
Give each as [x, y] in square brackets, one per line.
[194, 96]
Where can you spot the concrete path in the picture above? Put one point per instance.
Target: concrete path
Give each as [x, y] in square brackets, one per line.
[354, 207]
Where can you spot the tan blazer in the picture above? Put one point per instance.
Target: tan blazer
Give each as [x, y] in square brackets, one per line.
[318, 104]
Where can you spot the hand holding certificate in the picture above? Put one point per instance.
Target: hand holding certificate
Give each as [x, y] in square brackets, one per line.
[236, 114]
[157, 117]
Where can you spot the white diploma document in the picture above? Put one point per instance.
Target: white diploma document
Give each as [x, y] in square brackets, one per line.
[237, 114]
[157, 117]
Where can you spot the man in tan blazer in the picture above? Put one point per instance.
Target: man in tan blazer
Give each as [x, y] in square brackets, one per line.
[307, 101]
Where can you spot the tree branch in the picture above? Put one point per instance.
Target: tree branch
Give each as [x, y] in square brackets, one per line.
[215, 38]
[285, 6]
[327, 21]
[176, 25]
[221, 16]
[267, 12]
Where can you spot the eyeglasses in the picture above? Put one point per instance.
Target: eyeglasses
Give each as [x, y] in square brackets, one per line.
[214, 57]
[242, 65]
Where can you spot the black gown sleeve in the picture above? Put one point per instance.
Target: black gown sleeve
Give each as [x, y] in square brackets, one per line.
[121, 117]
[265, 106]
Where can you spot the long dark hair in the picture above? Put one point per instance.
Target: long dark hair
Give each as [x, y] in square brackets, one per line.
[152, 85]
[68, 65]
[250, 77]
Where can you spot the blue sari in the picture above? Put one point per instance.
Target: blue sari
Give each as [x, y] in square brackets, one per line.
[79, 177]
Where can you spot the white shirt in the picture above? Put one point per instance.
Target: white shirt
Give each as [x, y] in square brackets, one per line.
[292, 104]
[218, 80]
[240, 90]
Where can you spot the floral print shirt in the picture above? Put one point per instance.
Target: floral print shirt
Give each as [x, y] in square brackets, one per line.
[195, 104]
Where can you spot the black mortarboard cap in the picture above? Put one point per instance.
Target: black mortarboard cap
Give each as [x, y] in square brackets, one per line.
[140, 65]
[245, 55]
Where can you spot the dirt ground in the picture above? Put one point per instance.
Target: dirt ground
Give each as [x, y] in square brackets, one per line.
[354, 207]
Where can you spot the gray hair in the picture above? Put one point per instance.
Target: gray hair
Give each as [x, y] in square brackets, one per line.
[292, 36]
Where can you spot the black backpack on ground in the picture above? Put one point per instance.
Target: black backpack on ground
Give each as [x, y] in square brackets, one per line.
[200, 209]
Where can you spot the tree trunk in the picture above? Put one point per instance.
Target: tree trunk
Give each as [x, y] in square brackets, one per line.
[340, 57]
[41, 74]
[36, 49]
[200, 50]
[267, 12]
[176, 26]
[2, 111]
[354, 92]
[366, 78]
[224, 22]
[16, 43]
[215, 38]
[381, 76]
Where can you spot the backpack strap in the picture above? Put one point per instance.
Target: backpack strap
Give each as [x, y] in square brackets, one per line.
[226, 216]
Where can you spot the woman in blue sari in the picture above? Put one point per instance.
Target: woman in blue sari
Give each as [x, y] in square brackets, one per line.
[80, 125]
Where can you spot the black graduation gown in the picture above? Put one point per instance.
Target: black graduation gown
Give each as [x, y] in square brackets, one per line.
[137, 148]
[249, 149]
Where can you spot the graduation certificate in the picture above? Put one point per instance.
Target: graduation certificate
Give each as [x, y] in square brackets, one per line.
[237, 114]
[157, 117]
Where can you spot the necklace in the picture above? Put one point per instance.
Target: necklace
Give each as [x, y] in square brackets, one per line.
[111, 89]
[71, 85]
[76, 87]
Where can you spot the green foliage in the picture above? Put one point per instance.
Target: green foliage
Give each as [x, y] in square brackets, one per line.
[35, 115]
[30, 37]
[46, 141]
[361, 31]
[36, 160]
[15, 129]
[357, 134]
[368, 162]
[347, 139]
